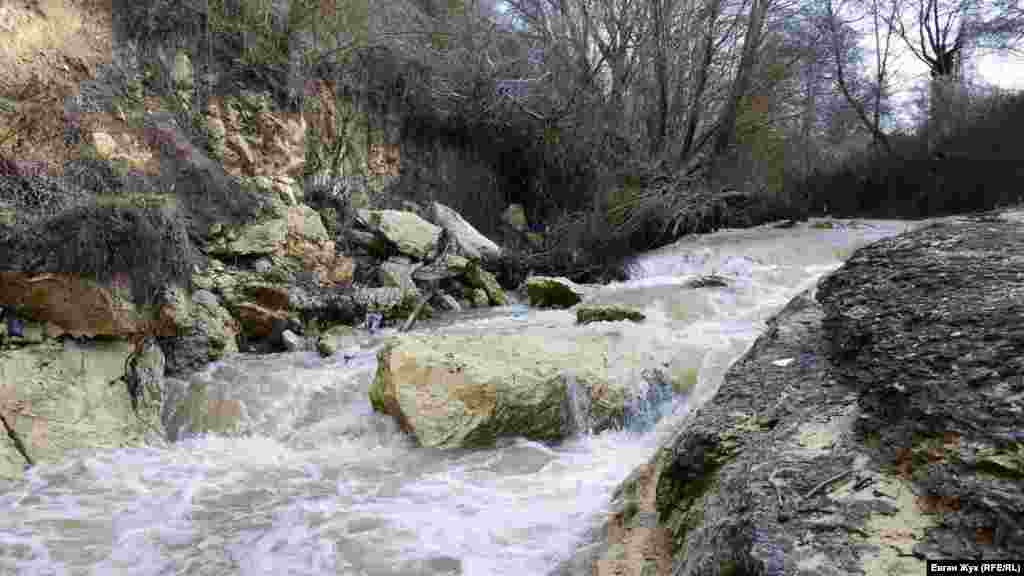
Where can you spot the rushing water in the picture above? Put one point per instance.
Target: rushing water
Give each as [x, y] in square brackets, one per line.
[320, 484]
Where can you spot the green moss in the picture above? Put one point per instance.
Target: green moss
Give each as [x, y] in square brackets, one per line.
[586, 315]
[631, 510]
[679, 500]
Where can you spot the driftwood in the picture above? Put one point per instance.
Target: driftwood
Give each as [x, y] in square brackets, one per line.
[443, 243]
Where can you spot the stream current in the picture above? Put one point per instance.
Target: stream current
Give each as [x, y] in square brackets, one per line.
[320, 484]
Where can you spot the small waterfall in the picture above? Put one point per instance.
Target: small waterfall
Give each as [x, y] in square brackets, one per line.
[576, 407]
[652, 402]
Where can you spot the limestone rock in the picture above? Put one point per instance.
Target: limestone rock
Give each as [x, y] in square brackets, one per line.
[471, 243]
[67, 395]
[182, 73]
[258, 321]
[515, 217]
[206, 331]
[292, 342]
[477, 277]
[551, 292]
[478, 297]
[104, 144]
[464, 390]
[72, 304]
[588, 314]
[397, 272]
[256, 239]
[338, 338]
[413, 235]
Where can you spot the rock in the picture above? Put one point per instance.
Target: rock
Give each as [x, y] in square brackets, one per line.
[104, 144]
[588, 314]
[62, 396]
[450, 266]
[292, 342]
[305, 223]
[337, 338]
[236, 143]
[479, 299]
[258, 321]
[465, 390]
[515, 217]
[411, 234]
[182, 74]
[309, 244]
[448, 302]
[397, 272]
[471, 243]
[900, 429]
[477, 277]
[550, 292]
[206, 330]
[391, 301]
[253, 240]
[709, 281]
[74, 305]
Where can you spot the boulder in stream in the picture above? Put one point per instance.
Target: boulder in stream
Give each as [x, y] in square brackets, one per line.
[551, 292]
[466, 390]
[59, 396]
[588, 314]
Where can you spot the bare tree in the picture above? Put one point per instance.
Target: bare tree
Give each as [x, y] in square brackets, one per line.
[741, 83]
[842, 38]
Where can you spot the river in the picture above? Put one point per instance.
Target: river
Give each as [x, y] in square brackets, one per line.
[319, 484]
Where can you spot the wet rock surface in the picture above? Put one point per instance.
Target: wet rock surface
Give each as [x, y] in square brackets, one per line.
[873, 426]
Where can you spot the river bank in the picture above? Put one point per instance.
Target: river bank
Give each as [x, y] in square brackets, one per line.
[873, 426]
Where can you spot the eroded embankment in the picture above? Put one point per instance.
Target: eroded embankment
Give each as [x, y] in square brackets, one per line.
[875, 424]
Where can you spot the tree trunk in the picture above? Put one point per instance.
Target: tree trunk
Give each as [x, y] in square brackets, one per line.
[752, 39]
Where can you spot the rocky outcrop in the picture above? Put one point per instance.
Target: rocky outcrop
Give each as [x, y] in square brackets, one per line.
[72, 305]
[548, 292]
[869, 428]
[63, 395]
[469, 390]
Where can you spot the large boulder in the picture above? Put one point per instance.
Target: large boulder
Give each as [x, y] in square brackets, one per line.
[412, 235]
[461, 390]
[872, 426]
[550, 292]
[471, 243]
[61, 396]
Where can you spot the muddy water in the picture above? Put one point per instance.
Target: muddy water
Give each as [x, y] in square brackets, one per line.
[319, 484]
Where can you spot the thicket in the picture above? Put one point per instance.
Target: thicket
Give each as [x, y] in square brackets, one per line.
[972, 168]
